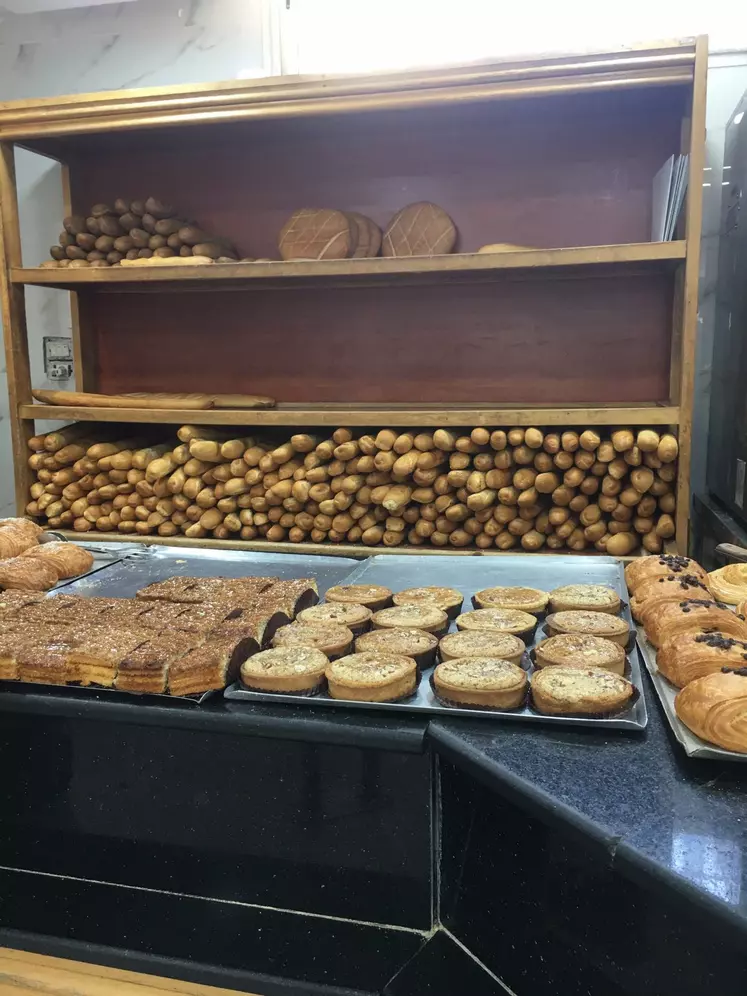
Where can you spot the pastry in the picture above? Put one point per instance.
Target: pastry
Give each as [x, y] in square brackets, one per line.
[694, 615]
[196, 590]
[210, 666]
[585, 597]
[372, 677]
[513, 621]
[27, 574]
[580, 650]
[644, 569]
[46, 663]
[485, 682]
[145, 668]
[160, 615]
[318, 233]
[9, 649]
[590, 623]
[482, 643]
[448, 599]
[688, 656]
[288, 670]
[421, 616]
[668, 588]
[527, 599]
[260, 623]
[201, 618]
[357, 618]
[559, 691]
[98, 652]
[415, 643]
[373, 596]
[10, 601]
[17, 535]
[715, 709]
[295, 593]
[421, 229]
[331, 638]
[67, 559]
[729, 584]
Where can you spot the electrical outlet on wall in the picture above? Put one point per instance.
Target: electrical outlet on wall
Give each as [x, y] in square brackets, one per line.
[58, 357]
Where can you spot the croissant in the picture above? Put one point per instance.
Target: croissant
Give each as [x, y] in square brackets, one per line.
[27, 573]
[688, 656]
[644, 569]
[715, 709]
[670, 588]
[14, 540]
[67, 559]
[729, 584]
[693, 615]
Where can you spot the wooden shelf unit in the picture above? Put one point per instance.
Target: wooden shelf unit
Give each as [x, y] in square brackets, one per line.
[596, 324]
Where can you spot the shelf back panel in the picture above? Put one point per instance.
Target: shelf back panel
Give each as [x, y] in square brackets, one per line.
[575, 341]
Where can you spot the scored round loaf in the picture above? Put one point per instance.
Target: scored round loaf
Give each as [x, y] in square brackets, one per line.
[421, 229]
[369, 236]
[318, 233]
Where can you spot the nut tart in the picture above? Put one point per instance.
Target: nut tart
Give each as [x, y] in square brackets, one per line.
[427, 617]
[357, 618]
[372, 677]
[527, 599]
[580, 650]
[373, 596]
[482, 643]
[558, 691]
[416, 643]
[514, 621]
[484, 682]
[448, 599]
[286, 670]
[585, 597]
[589, 623]
[332, 639]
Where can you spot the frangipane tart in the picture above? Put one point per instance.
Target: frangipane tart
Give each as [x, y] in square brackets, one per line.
[331, 638]
[448, 599]
[558, 691]
[527, 599]
[286, 670]
[373, 596]
[357, 618]
[580, 650]
[416, 643]
[588, 597]
[485, 682]
[513, 621]
[372, 677]
[427, 617]
[591, 623]
[482, 643]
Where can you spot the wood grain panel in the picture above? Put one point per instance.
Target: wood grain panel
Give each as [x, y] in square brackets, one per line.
[544, 172]
[508, 342]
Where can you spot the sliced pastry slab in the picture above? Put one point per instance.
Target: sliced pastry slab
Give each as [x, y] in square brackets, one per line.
[145, 668]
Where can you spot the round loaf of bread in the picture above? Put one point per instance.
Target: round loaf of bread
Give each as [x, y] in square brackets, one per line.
[527, 599]
[373, 596]
[589, 623]
[372, 677]
[715, 709]
[421, 229]
[357, 618]
[589, 597]
[427, 617]
[482, 643]
[415, 643]
[485, 682]
[287, 670]
[513, 621]
[448, 599]
[331, 638]
[558, 691]
[317, 233]
[580, 650]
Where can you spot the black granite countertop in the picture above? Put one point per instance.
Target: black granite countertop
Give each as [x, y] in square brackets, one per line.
[680, 822]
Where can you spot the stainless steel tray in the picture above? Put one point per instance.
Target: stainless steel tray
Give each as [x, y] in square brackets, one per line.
[470, 574]
[104, 555]
[692, 745]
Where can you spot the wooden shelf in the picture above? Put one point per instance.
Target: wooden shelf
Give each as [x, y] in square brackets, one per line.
[458, 266]
[366, 415]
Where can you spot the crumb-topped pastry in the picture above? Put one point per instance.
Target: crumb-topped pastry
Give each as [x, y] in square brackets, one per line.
[587, 690]
[423, 616]
[580, 650]
[527, 599]
[482, 643]
[688, 656]
[285, 670]
[486, 682]
[416, 643]
[591, 623]
[331, 638]
[513, 621]
[373, 596]
[448, 599]
[372, 677]
[585, 597]
[715, 709]
[357, 618]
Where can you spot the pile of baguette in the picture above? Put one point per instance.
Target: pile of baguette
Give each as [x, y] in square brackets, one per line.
[512, 489]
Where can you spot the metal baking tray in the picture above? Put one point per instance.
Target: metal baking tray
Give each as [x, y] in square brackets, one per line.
[104, 555]
[692, 745]
[470, 574]
[106, 694]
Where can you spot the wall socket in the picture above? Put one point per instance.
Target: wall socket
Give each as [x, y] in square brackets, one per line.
[58, 357]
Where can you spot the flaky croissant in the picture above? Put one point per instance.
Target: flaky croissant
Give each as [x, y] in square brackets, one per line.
[27, 573]
[644, 569]
[693, 616]
[688, 656]
[669, 588]
[715, 709]
[67, 559]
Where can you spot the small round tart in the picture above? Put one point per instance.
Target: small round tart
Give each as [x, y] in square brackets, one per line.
[415, 643]
[448, 599]
[580, 650]
[373, 596]
[427, 617]
[357, 618]
[557, 691]
[332, 639]
[482, 643]
[372, 677]
[591, 623]
[503, 620]
[527, 599]
[285, 669]
[480, 681]
[589, 597]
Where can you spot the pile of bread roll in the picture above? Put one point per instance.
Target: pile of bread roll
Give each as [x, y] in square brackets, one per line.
[133, 230]
[701, 644]
[523, 489]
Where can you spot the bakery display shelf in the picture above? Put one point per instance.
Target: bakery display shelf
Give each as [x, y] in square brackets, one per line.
[525, 569]
[666, 693]
[368, 415]
[301, 273]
